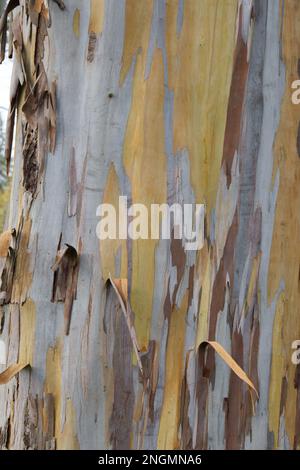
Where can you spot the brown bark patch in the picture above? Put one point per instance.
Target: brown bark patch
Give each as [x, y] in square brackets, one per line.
[91, 46]
[121, 392]
[30, 161]
[235, 105]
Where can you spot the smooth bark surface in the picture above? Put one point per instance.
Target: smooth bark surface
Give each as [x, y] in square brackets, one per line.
[163, 101]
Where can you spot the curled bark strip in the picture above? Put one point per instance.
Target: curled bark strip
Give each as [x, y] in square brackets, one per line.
[65, 281]
[11, 371]
[67, 252]
[231, 363]
[3, 27]
[120, 288]
[60, 3]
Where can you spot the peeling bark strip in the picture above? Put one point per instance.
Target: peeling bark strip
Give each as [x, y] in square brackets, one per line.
[60, 3]
[39, 107]
[8, 252]
[30, 163]
[10, 372]
[65, 281]
[231, 363]
[201, 113]
[3, 27]
[120, 287]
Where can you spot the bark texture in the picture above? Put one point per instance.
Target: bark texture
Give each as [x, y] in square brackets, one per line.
[163, 101]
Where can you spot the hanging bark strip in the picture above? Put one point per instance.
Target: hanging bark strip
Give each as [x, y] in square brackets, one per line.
[228, 359]
[120, 288]
[39, 107]
[65, 271]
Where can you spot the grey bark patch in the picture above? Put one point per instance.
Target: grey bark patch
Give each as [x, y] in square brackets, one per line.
[73, 186]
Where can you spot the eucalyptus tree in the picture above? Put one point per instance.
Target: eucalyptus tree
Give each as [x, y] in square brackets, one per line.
[123, 343]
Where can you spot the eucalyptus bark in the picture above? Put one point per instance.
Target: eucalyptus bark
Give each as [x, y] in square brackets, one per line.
[183, 101]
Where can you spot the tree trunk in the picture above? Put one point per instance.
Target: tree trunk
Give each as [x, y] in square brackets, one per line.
[164, 101]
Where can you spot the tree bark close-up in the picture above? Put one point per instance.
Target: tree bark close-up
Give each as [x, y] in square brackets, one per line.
[162, 101]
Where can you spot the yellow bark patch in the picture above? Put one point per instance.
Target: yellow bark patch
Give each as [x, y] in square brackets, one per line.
[110, 248]
[138, 18]
[76, 23]
[145, 165]
[68, 438]
[277, 370]
[27, 332]
[38, 4]
[5, 239]
[202, 327]
[53, 381]
[4, 204]
[253, 278]
[170, 414]
[23, 276]
[200, 62]
[285, 251]
[65, 430]
[96, 16]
